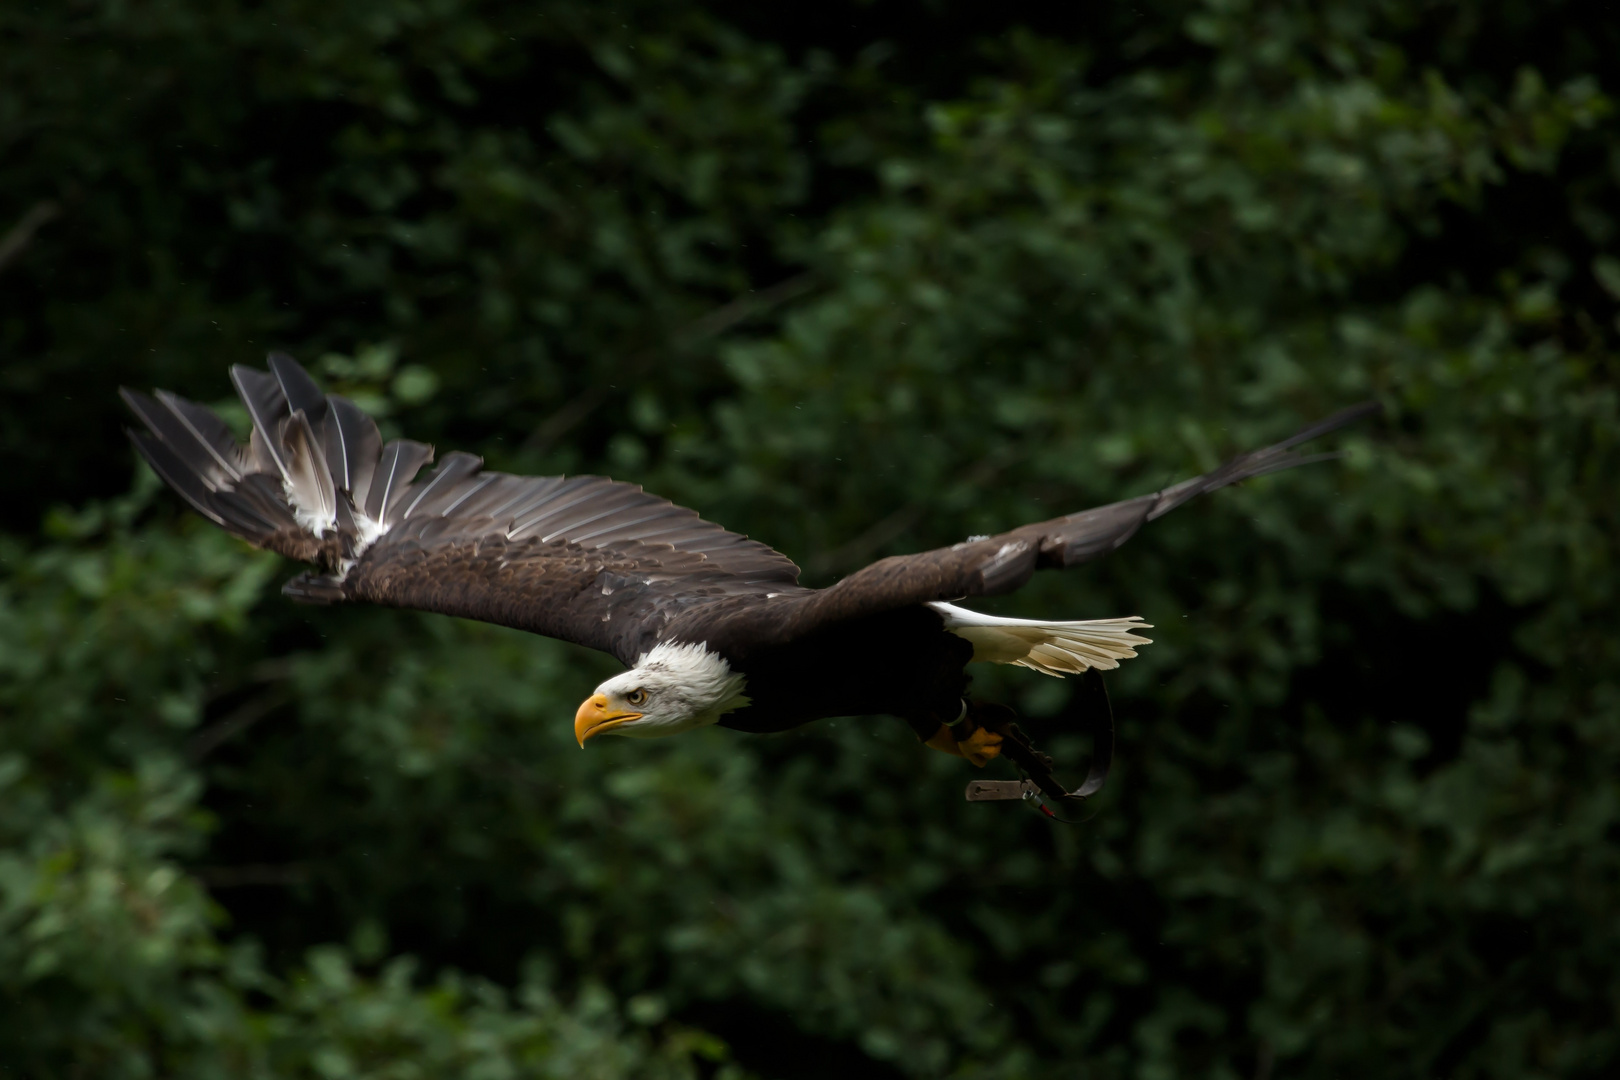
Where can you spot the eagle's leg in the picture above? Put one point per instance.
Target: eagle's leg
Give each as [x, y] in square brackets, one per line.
[968, 736]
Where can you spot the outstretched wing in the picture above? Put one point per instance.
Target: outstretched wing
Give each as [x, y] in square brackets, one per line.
[997, 564]
[581, 558]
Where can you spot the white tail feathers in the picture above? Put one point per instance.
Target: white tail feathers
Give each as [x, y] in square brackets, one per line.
[1051, 648]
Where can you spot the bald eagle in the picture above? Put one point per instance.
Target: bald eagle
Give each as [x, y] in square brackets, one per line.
[714, 628]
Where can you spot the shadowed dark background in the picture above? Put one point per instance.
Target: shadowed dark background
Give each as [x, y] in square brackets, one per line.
[862, 279]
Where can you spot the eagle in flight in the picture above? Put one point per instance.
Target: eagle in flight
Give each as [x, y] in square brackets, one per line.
[713, 627]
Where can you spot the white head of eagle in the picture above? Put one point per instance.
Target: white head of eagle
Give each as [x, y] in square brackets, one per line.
[673, 688]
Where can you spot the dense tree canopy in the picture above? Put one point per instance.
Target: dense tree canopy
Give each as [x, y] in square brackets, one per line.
[855, 282]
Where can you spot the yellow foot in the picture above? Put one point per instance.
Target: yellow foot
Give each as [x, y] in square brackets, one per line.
[981, 747]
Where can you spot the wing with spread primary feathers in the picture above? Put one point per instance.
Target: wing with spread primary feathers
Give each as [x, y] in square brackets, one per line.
[580, 558]
[742, 625]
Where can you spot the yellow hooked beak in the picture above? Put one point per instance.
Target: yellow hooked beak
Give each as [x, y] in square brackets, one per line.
[594, 718]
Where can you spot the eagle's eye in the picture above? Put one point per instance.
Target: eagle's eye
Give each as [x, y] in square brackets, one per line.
[636, 697]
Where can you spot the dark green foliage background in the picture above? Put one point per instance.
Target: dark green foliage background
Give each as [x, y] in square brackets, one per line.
[856, 280]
